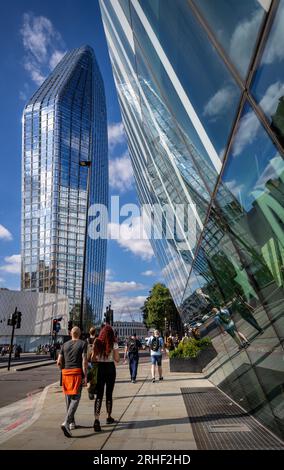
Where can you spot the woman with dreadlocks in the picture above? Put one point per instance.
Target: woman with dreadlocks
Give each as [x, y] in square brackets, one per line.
[106, 353]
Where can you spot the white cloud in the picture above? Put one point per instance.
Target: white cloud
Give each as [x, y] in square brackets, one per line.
[34, 71]
[274, 50]
[133, 238]
[43, 46]
[5, 234]
[126, 308]
[116, 134]
[220, 102]
[235, 187]
[244, 34]
[109, 274]
[271, 172]
[148, 273]
[115, 287]
[24, 93]
[55, 58]
[121, 174]
[250, 125]
[13, 264]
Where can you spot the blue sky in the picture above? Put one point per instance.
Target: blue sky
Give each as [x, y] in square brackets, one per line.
[33, 36]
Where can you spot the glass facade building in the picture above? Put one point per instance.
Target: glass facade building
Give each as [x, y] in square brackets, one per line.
[201, 90]
[65, 123]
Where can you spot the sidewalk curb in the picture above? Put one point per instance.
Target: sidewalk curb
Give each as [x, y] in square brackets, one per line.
[35, 365]
[35, 416]
[22, 364]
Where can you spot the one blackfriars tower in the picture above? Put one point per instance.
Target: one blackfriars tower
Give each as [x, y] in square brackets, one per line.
[65, 124]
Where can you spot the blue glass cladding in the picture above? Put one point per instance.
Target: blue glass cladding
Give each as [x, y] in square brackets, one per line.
[65, 123]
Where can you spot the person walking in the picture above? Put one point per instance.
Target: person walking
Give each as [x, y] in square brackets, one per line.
[225, 322]
[156, 345]
[92, 366]
[72, 361]
[246, 312]
[170, 346]
[106, 353]
[132, 350]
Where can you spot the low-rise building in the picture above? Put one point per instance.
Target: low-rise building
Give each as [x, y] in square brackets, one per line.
[125, 329]
[38, 311]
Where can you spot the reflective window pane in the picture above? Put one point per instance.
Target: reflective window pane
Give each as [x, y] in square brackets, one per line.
[268, 83]
[236, 26]
[200, 71]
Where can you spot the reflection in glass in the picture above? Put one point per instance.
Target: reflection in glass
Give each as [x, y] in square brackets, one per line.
[236, 26]
[268, 83]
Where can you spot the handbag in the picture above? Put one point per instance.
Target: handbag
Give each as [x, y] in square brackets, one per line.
[92, 377]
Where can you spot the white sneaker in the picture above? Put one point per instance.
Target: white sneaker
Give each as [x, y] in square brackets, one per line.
[72, 426]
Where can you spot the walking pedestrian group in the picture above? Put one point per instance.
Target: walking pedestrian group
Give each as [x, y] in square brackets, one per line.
[92, 364]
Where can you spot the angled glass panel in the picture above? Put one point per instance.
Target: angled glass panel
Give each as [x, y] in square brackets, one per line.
[236, 26]
[268, 82]
[198, 69]
[251, 197]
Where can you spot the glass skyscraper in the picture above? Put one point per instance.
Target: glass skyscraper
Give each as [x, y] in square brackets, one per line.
[65, 123]
[201, 90]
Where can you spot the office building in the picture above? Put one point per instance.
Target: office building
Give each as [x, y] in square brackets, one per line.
[65, 124]
[201, 85]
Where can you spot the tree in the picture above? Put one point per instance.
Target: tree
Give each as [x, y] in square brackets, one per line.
[160, 311]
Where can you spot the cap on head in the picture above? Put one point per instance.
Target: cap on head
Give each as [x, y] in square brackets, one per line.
[76, 332]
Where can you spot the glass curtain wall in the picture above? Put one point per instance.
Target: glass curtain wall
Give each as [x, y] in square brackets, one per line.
[64, 123]
[200, 85]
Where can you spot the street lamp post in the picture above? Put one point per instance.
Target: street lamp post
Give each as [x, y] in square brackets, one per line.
[85, 163]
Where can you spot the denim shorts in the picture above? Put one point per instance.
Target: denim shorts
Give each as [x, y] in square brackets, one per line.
[156, 360]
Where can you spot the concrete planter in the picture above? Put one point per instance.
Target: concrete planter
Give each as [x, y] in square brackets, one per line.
[193, 364]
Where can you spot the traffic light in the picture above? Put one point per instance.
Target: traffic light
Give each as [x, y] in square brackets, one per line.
[54, 323]
[15, 319]
[18, 319]
[110, 316]
[56, 327]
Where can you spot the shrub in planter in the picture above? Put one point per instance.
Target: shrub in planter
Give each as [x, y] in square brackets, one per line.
[192, 355]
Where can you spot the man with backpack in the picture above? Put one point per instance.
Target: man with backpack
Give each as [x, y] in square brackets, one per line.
[225, 322]
[132, 349]
[156, 345]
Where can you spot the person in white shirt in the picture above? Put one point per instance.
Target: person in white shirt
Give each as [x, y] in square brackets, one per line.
[156, 344]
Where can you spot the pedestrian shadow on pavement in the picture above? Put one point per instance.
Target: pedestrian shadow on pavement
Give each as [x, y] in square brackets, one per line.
[126, 381]
[150, 423]
[149, 395]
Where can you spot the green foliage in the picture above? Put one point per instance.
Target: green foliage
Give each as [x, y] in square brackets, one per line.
[190, 348]
[158, 306]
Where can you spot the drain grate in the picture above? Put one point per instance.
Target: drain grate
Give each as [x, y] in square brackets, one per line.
[229, 428]
[219, 423]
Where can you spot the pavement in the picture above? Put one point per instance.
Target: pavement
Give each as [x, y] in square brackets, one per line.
[150, 416]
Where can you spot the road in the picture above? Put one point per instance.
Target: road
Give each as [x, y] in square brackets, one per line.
[25, 357]
[15, 386]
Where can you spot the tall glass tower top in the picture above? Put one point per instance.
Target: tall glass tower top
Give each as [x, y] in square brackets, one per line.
[65, 123]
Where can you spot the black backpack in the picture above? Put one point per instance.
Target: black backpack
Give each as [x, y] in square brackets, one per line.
[155, 343]
[224, 317]
[132, 346]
